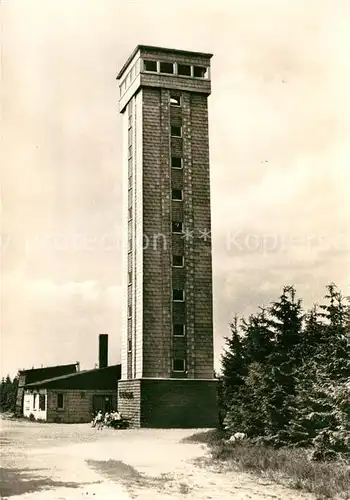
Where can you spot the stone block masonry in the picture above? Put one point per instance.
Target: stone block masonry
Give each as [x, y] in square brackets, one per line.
[172, 403]
[168, 380]
[78, 405]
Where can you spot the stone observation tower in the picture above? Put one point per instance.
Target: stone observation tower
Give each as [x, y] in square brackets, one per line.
[167, 335]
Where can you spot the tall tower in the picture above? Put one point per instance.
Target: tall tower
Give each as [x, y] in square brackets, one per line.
[167, 335]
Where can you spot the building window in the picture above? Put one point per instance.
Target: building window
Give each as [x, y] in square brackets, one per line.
[60, 401]
[34, 401]
[175, 100]
[129, 118]
[166, 67]
[176, 162]
[178, 365]
[129, 152]
[129, 245]
[178, 261]
[184, 69]
[175, 131]
[42, 402]
[130, 182]
[129, 213]
[129, 345]
[129, 311]
[177, 227]
[82, 395]
[179, 330]
[199, 71]
[176, 194]
[129, 327]
[178, 295]
[150, 66]
[130, 136]
[129, 278]
[130, 166]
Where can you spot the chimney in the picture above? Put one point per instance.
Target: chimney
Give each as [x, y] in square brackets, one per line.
[103, 351]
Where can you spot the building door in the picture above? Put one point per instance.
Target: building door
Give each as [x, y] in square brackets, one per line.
[101, 402]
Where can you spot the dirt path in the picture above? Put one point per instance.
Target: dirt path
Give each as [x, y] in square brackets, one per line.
[57, 462]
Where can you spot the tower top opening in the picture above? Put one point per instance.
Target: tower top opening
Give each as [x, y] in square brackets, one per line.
[150, 66]
[162, 50]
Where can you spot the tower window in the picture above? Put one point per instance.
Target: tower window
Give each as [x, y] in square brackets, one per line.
[178, 365]
[178, 261]
[166, 67]
[129, 311]
[177, 227]
[129, 245]
[129, 213]
[199, 71]
[129, 345]
[130, 182]
[129, 278]
[176, 131]
[175, 100]
[150, 66]
[130, 136]
[179, 330]
[176, 194]
[178, 295]
[184, 69]
[176, 162]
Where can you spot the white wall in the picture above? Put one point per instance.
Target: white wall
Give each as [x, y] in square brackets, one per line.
[31, 404]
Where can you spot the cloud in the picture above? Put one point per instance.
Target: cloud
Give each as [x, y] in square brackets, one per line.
[44, 322]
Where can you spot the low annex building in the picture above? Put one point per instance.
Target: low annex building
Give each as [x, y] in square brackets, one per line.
[74, 397]
[36, 375]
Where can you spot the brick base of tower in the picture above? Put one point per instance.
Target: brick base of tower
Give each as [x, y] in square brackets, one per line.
[169, 403]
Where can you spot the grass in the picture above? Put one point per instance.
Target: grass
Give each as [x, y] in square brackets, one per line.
[289, 466]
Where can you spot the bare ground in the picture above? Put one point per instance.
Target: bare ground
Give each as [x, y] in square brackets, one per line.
[68, 462]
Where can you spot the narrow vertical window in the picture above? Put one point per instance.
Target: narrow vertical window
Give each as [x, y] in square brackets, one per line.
[178, 295]
[178, 365]
[176, 131]
[176, 194]
[178, 261]
[179, 330]
[175, 100]
[176, 162]
[177, 227]
[60, 401]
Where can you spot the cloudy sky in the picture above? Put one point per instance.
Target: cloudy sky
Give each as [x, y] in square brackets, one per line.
[280, 159]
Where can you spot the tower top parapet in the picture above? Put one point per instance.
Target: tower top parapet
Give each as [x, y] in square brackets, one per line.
[150, 66]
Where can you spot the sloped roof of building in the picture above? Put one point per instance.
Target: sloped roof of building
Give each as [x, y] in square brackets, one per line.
[99, 378]
[36, 374]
